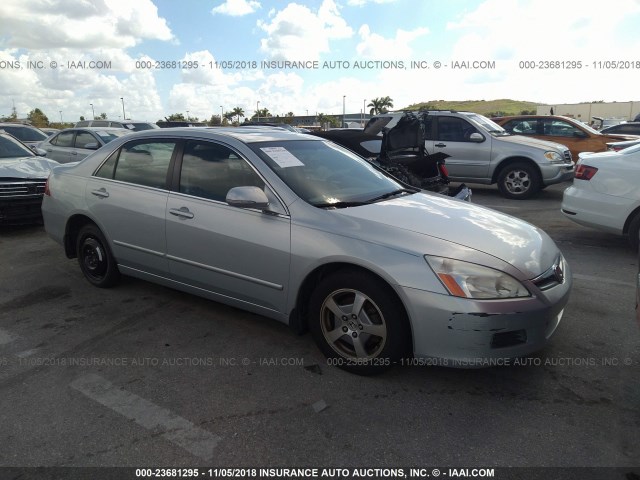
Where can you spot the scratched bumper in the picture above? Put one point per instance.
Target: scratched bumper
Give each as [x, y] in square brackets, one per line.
[470, 333]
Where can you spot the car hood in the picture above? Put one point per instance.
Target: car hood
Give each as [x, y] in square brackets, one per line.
[507, 238]
[26, 167]
[533, 142]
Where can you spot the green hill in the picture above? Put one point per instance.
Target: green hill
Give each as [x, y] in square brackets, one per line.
[488, 108]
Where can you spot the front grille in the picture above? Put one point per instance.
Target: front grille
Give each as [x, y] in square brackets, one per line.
[567, 155]
[21, 188]
[509, 339]
[552, 277]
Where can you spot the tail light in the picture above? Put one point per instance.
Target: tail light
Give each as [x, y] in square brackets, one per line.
[585, 172]
[443, 170]
[47, 192]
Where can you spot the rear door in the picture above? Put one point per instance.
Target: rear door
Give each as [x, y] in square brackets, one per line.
[467, 160]
[128, 194]
[241, 255]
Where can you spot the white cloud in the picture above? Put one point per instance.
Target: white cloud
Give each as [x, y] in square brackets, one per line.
[373, 45]
[298, 33]
[80, 24]
[236, 8]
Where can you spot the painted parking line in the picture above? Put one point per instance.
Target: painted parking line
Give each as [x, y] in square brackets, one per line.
[610, 281]
[177, 430]
[6, 337]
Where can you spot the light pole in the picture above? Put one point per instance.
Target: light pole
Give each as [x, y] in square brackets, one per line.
[221, 114]
[93, 112]
[124, 117]
[187, 115]
[364, 110]
[343, 101]
[258, 110]
[60, 116]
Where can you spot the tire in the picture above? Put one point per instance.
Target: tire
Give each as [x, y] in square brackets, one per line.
[365, 342]
[95, 258]
[634, 232]
[519, 180]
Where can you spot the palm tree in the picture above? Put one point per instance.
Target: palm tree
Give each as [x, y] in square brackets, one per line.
[380, 105]
[238, 112]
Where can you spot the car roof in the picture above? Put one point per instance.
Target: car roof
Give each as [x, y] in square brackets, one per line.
[96, 129]
[245, 134]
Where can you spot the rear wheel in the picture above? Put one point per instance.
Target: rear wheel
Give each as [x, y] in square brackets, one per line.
[358, 322]
[634, 231]
[95, 259]
[519, 180]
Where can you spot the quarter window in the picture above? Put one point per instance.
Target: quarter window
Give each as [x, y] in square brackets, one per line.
[521, 127]
[210, 170]
[559, 128]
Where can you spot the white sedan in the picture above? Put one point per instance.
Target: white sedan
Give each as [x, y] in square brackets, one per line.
[606, 192]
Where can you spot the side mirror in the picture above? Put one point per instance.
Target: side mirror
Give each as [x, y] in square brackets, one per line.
[247, 197]
[476, 137]
[39, 152]
[92, 146]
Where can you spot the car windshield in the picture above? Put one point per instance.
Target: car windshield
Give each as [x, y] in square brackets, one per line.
[489, 125]
[108, 135]
[327, 175]
[589, 129]
[631, 150]
[9, 148]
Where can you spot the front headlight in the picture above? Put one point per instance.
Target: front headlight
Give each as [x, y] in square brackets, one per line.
[554, 157]
[468, 280]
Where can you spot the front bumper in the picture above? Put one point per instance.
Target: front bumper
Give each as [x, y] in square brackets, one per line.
[557, 173]
[474, 333]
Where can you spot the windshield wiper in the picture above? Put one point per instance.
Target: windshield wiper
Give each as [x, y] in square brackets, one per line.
[339, 204]
[393, 194]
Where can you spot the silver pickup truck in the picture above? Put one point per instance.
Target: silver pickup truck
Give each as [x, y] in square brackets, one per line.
[478, 150]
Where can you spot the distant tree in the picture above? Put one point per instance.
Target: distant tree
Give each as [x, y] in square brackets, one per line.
[238, 112]
[215, 120]
[102, 116]
[324, 119]
[82, 118]
[228, 117]
[527, 112]
[176, 117]
[380, 105]
[37, 118]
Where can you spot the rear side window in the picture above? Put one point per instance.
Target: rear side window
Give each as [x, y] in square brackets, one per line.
[521, 127]
[84, 123]
[26, 134]
[142, 163]
[100, 123]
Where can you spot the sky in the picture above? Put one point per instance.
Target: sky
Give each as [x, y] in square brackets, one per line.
[159, 57]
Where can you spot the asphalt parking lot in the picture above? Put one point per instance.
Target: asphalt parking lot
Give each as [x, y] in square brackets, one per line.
[141, 375]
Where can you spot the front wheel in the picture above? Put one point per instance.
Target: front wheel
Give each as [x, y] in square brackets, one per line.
[358, 322]
[95, 258]
[519, 180]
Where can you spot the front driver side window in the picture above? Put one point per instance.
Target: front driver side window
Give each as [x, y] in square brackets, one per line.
[210, 170]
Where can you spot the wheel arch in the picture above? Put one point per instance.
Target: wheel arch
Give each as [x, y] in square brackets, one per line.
[298, 319]
[629, 219]
[72, 228]
[510, 160]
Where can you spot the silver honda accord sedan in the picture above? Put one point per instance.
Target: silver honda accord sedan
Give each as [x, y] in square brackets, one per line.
[301, 230]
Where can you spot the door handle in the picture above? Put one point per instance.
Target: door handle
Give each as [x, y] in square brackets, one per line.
[182, 212]
[102, 193]
[440, 145]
